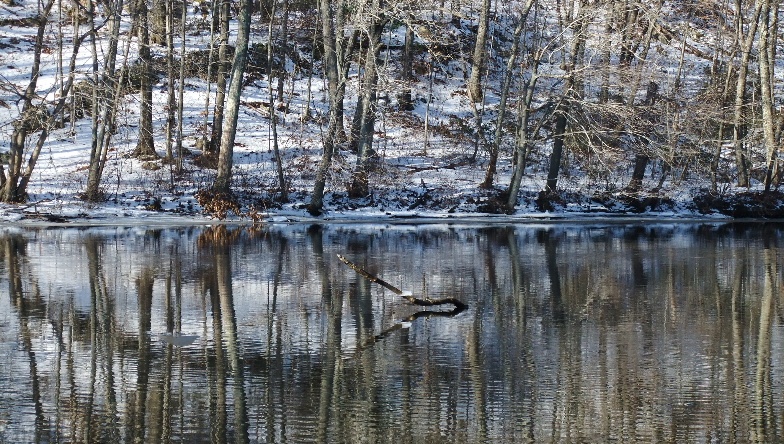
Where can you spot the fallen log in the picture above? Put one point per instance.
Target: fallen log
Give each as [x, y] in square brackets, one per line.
[427, 302]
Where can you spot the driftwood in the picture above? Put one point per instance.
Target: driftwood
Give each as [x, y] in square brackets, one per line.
[427, 302]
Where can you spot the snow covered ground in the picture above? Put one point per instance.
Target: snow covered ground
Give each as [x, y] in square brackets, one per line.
[415, 180]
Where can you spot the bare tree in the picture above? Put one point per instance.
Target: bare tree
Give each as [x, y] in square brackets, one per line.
[522, 141]
[629, 53]
[106, 92]
[225, 159]
[740, 90]
[572, 90]
[366, 111]
[34, 117]
[505, 88]
[273, 108]
[767, 42]
[145, 147]
[222, 74]
[330, 26]
[474, 86]
[405, 99]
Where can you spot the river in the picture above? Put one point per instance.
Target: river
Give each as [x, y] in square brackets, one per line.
[573, 332]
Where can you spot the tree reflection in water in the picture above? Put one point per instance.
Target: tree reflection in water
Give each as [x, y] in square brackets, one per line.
[657, 333]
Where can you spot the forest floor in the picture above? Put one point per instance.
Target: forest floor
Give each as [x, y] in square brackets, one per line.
[422, 172]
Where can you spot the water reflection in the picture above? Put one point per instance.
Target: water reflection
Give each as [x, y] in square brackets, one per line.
[658, 333]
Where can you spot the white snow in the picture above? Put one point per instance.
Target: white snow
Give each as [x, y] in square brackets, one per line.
[415, 182]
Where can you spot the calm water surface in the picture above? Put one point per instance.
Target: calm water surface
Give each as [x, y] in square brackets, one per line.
[573, 333]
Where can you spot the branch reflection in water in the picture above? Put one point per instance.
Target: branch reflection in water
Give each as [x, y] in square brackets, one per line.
[583, 332]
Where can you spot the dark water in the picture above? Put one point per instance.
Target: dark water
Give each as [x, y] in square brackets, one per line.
[573, 333]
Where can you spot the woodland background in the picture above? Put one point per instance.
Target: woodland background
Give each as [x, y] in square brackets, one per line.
[391, 107]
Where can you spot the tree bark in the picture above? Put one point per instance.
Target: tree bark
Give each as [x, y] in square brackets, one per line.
[284, 46]
[171, 107]
[558, 143]
[104, 96]
[738, 132]
[159, 16]
[220, 82]
[404, 99]
[766, 40]
[145, 147]
[273, 109]
[521, 141]
[510, 64]
[360, 182]
[474, 86]
[225, 160]
[335, 89]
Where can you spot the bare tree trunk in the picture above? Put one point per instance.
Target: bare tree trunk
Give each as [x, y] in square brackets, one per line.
[204, 140]
[474, 86]
[273, 109]
[367, 120]
[558, 143]
[181, 87]
[335, 91]
[24, 124]
[105, 95]
[95, 142]
[172, 101]
[405, 100]
[220, 83]
[766, 68]
[642, 158]
[572, 88]
[283, 42]
[729, 77]
[225, 160]
[160, 15]
[510, 64]
[738, 132]
[309, 95]
[145, 147]
[521, 142]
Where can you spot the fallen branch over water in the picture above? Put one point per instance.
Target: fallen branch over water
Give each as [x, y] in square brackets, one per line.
[459, 306]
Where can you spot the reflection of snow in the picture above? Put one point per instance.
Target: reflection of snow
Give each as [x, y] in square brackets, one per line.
[292, 306]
